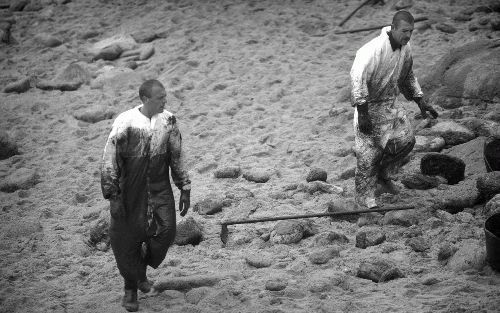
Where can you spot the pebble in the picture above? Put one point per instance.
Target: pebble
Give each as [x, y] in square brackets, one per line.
[8, 146]
[58, 85]
[340, 206]
[403, 4]
[110, 53]
[144, 36]
[74, 72]
[257, 176]
[488, 185]
[378, 270]
[421, 181]
[17, 5]
[188, 232]
[258, 260]
[402, 218]
[348, 173]
[22, 178]
[228, 172]
[94, 114]
[492, 207]
[471, 255]
[452, 132]
[48, 40]
[316, 174]
[428, 144]
[195, 295]
[329, 238]
[495, 23]
[449, 167]
[446, 251]
[287, 232]
[319, 186]
[322, 256]
[418, 244]
[97, 232]
[18, 86]
[210, 205]
[276, 284]
[146, 52]
[187, 283]
[369, 237]
[446, 28]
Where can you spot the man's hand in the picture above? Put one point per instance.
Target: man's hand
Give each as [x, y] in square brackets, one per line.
[364, 122]
[425, 107]
[184, 201]
[116, 208]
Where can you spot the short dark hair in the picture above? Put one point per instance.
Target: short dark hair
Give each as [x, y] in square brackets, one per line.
[402, 15]
[147, 87]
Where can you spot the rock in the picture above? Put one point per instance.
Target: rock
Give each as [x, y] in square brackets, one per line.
[485, 20]
[210, 205]
[347, 173]
[144, 36]
[422, 182]
[316, 174]
[8, 147]
[57, 85]
[188, 232]
[228, 172]
[94, 114]
[446, 28]
[369, 237]
[467, 75]
[146, 52]
[322, 256]
[449, 167]
[378, 270]
[452, 132]
[472, 154]
[22, 178]
[324, 281]
[18, 5]
[120, 42]
[492, 207]
[98, 232]
[488, 185]
[238, 193]
[428, 144]
[329, 238]
[482, 127]
[369, 219]
[460, 17]
[446, 251]
[187, 283]
[276, 284]
[258, 260]
[33, 5]
[257, 175]
[470, 255]
[47, 40]
[19, 86]
[418, 244]
[87, 34]
[195, 295]
[74, 73]
[403, 4]
[342, 205]
[319, 186]
[457, 197]
[6, 31]
[110, 53]
[117, 78]
[402, 218]
[287, 232]
[495, 23]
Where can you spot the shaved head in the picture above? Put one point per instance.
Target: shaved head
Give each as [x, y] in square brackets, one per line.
[146, 89]
[402, 15]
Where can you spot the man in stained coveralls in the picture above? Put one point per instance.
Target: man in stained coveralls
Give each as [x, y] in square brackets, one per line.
[144, 142]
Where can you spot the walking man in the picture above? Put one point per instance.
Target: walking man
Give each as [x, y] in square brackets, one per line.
[144, 142]
[383, 133]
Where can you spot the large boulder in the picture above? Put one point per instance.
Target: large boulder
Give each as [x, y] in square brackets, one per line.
[452, 132]
[468, 74]
[471, 153]
[449, 167]
[188, 231]
[488, 185]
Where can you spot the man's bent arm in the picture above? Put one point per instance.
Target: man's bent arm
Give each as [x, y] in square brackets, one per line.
[409, 85]
[179, 173]
[359, 76]
[111, 166]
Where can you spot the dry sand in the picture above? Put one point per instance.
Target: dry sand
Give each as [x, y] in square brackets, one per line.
[252, 84]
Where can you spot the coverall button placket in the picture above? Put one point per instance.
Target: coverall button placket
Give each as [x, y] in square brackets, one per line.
[147, 153]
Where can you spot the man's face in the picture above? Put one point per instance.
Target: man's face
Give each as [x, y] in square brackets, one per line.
[157, 101]
[401, 32]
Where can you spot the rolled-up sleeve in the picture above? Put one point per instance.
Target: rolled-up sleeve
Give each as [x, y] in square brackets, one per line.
[112, 162]
[177, 158]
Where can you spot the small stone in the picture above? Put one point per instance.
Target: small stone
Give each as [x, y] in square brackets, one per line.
[329, 238]
[194, 296]
[349, 172]
[446, 28]
[452, 132]
[98, 232]
[402, 218]
[418, 244]
[33, 6]
[258, 260]
[48, 40]
[144, 36]
[146, 52]
[488, 185]
[228, 172]
[471, 255]
[460, 17]
[74, 72]
[449, 167]
[316, 174]
[422, 182]
[110, 53]
[495, 23]
[428, 144]
[188, 232]
[21, 178]
[18, 5]
[342, 206]
[369, 219]
[403, 4]
[433, 223]
[58, 85]
[94, 114]
[276, 284]
[446, 251]
[319, 186]
[257, 176]
[485, 20]
[210, 205]
[378, 270]
[430, 280]
[19, 86]
[287, 232]
[369, 237]
[492, 207]
[322, 256]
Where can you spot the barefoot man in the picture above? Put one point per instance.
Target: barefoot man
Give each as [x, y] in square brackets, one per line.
[144, 142]
[383, 134]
